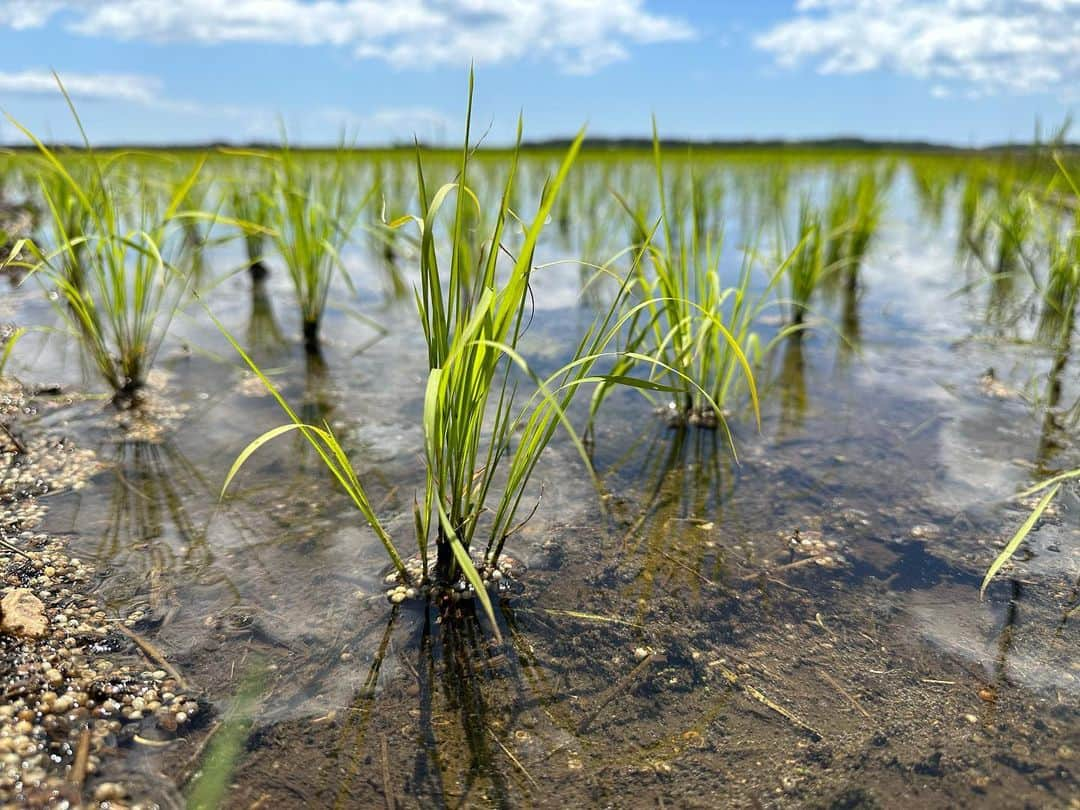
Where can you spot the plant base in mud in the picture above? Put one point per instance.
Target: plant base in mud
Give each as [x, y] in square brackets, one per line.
[129, 396]
[258, 271]
[502, 577]
[676, 416]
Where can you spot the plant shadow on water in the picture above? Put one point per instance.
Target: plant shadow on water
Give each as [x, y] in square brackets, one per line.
[264, 337]
[149, 533]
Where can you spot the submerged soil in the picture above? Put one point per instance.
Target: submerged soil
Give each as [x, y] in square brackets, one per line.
[801, 627]
[696, 662]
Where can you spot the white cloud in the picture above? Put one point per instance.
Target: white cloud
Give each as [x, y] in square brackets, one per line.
[991, 46]
[22, 14]
[103, 86]
[580, 36]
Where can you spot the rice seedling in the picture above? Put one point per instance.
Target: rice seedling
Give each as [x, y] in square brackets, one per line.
[1015, 221]
[386, 242]
[973, 219]
[1051, 487]
[189, 194]
[806, 265]
[251, 206]
[1061, 292]
[696, 332]
[869, 207]
[481, 444]
[931, 189]
[115, 288]
[312, 215]
[852, 217]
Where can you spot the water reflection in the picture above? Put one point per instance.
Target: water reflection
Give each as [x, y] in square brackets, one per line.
[320, 398]
[265, 339]
[357, 717]
[444, 678]
[685, 474]
[790, 384]
[850, 324]
[149, 526]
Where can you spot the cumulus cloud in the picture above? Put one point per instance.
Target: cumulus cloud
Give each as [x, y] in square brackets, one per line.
[102, 86]
[21, 14]
[580, 36]
[986, 46]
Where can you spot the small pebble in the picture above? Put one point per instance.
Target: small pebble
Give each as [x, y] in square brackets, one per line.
[108, 791]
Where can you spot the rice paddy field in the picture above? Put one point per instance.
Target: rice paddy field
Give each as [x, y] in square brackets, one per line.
[588, 476]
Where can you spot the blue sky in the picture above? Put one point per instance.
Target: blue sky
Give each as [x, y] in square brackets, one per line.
[960, 71]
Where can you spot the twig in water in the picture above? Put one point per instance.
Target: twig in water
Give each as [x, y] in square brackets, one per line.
[681, 564]
[82, 755]
[591, 617]
[154, 654]
[850, 698]
[761, 698]
[513, 759]
[20, 448]
[623, 684]
[12, 547]
[779, 568]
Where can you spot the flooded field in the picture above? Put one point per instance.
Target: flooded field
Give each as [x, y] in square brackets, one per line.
[786, 615]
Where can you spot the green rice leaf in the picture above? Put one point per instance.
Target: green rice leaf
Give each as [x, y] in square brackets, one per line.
[9, 345]
[1018, 538]
[1065, 476]
[254, 445]
[468, 569]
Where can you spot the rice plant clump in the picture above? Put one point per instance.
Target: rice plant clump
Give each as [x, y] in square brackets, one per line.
[1056, 325]
[806, 265]
[1062, 290]
[481, 443]
[107, 263]
[313, 212]
[854, 217]
[251, 207]
[692, 332]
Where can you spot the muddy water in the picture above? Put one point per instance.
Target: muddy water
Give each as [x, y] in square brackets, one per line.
[799, 627]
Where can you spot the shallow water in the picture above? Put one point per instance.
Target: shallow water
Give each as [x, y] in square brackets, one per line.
[674, 643]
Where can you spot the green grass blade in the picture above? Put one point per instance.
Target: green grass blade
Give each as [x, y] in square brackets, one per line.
[1018, 538]
[465, 563]
[255, 444]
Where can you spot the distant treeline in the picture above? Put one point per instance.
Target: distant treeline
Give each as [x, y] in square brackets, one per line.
[837, 144]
